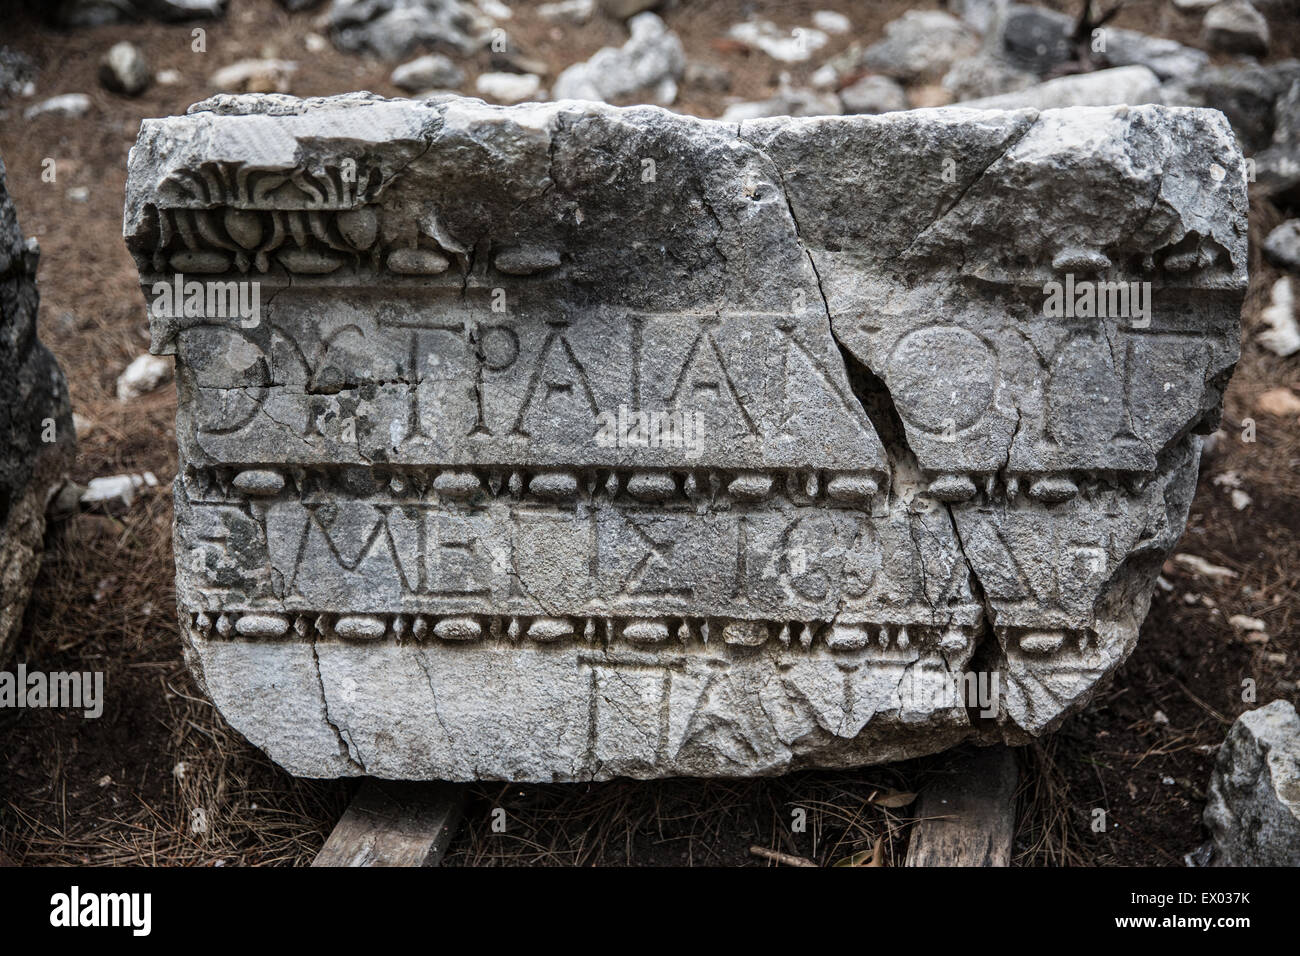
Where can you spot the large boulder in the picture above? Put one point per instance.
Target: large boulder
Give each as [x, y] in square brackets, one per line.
[37, 440]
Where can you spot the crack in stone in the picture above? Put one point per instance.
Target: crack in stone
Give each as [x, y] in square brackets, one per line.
[345, 745]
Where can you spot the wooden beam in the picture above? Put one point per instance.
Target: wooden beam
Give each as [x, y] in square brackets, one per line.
[395, 824]
[968, 811]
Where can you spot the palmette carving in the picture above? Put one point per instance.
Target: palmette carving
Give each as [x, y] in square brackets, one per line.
[533, 465]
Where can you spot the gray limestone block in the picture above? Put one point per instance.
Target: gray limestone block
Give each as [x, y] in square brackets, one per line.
[566, 442]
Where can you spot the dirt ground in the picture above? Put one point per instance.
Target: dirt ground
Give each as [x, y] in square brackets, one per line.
[161, 779]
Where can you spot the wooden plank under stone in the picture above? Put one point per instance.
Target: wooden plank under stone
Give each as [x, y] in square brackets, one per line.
[968, 811]
[395, 824]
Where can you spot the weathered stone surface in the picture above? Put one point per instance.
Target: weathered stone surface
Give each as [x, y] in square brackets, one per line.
[890, 469]
[37, 440]
[1253, 809]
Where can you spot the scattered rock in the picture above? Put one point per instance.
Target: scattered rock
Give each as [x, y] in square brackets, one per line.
[788, 101]
[1124, 85]
[650, 61]
[37, 437]
[1282, 246]
[85, 427]
[707, 76]
[168, 77]
[981, 76]
[873, 94]
[1205, 569]
[254, 76]
[928, 95]
[1277, 168]
[391, 29]
[1281, 402]
[1253, 807]
[828, 21]
[96, 13]
[78, 194]
[1235, 26]
[125, 70]
[979, 15]
[1193, 6]
[1031, 38]
[429, 72]
[1281, 334]
[623, 9]
[576, 12]
[1165, 58]
[495, 9]
[509, 87]
[796, 46]
[143, 375]
[1246, 94]
[115, 495]
[17, 73]
[921, 44]
[70, 105]
[1243, 622]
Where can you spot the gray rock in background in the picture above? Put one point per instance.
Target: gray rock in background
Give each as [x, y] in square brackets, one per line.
[17, 73]
[1278, 166]
[790, 101]
[983, 75]
[420, 532]
[1132, 85]
[1247, 94]
[650, 62]
[429, 72]
[37, 440]
[391, 29]
[1167, 59]
[125, 70]
[1253, 807]
[921, 44]
[873, 94]
[1282, 246]
[1031, 38]
[94, 13]
[1234, 26]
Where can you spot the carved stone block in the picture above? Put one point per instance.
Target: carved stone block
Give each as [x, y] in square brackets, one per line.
[568, 442]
